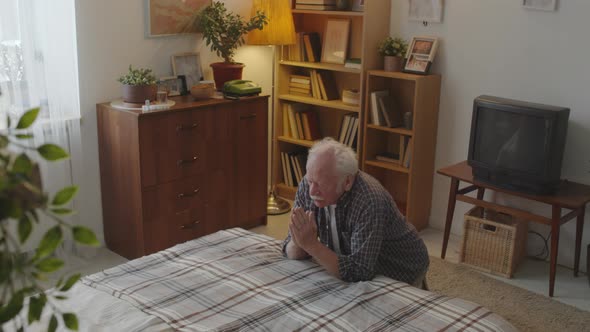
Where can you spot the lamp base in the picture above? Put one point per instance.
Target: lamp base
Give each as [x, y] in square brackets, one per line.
[276, 205]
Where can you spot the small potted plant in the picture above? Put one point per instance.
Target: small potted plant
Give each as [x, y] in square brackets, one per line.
[224, 32]
[139, 85]
[393, 51]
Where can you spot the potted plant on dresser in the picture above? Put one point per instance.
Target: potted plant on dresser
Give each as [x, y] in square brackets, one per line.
[393, 51]
[223, 32]
[139, 85]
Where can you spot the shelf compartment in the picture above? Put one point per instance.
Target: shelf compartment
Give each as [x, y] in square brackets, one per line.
[397, 130]
[336, 104]
[321, 66]
[292, 140]
[328, 12]
[387, 165]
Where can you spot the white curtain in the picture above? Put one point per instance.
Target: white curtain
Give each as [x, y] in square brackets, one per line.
[38, 68]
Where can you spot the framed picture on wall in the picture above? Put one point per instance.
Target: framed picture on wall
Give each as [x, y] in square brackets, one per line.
[420, 54]
[548, 5]
[426, 10]
[335, 42]
[189, 65]
[171, 17]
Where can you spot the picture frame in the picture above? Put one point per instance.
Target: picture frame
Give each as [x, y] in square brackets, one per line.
[426, 10]
[172, 84]
[170, 17]
[358, 5]
[189, 65]
[546, 5]
[420, 54]
[335, 43]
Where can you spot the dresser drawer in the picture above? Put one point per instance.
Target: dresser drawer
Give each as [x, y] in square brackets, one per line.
[172, 198]
[172, 146]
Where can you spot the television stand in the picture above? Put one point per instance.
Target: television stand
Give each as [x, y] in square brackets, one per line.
[570, 195]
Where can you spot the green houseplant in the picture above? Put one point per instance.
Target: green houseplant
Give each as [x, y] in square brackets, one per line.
[224, 32]
[22, 201]
[138, 85]
[393, 50]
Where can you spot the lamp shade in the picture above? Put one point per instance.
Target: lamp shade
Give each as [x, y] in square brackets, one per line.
[280, 29]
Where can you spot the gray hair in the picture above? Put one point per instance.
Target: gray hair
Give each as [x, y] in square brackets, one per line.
[345, 158]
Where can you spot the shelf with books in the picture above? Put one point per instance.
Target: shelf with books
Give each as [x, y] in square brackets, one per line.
[320, 65]
[402, 159]
[336, 104]
[301, 69]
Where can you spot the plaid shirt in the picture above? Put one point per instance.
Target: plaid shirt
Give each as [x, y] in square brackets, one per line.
[374, 236]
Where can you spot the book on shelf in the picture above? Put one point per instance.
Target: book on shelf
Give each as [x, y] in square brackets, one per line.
[349, 129]
[299, 125]
[328, 85]
[306, 128]
[292, 121]
[376, 116]
[316, 2]
[392, 116]
[354, 132]
[314, 7]
[286, 126]
[408, 153]
[353, 63]
[295, 166]
[305, 86]
[315, 88]
[343, 128]
[313, 46]
[287, 178]
[389, 157]
[301, 79]
[300, 91]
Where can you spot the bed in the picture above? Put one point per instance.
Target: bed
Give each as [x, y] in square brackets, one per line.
[236, 280]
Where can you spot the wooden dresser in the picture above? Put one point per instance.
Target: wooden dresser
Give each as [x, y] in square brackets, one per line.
[174, 175]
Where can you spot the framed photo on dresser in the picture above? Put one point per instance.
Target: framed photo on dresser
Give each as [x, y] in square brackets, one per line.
[420, 55]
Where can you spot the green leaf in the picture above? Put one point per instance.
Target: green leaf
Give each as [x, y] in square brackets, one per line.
[50, 241]
[27, 119]
[70, 282]
[22, 164]
[49, 264]
[25, 227]
[64, 195]
[71, 321]
[52, 152]
[52, 324]
[61, 211]
[36, 307]
[85, 236]
[13, 307]
[23, 136]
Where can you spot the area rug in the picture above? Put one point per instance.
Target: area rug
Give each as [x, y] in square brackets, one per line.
[526, 310]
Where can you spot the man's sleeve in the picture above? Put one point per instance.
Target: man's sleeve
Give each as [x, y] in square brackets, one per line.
[366, 241]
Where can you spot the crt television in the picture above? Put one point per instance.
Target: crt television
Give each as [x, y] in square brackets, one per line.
[517, 145]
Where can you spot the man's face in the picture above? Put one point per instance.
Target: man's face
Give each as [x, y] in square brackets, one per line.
[325, 186]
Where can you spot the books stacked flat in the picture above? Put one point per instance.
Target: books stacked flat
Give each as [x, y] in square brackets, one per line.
[316, 4]
[349, 129]
[300, 85]
[353, 63]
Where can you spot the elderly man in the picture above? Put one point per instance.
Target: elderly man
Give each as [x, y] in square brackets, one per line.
[361, 232]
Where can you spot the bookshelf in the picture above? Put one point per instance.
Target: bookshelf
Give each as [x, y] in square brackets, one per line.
[367, 29]
[410, 182]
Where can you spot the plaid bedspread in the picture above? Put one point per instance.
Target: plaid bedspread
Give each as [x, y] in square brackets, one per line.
[239, 280]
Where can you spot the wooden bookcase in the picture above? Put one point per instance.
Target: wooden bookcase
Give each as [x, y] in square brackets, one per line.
[409, 185]
[367, 29]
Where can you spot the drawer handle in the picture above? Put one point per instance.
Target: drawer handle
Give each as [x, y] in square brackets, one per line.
[249, 116]
[186, 127]
[192, 193]
[191, 225]
[182, 162]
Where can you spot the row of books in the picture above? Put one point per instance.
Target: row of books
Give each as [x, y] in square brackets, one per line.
[319, 84]
[293, 167]
[307, 47]
[300, 122]
[315, 4]
[383, 110]
[349, 130]
[403, 157]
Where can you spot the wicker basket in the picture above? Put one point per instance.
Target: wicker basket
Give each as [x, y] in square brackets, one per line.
[493, 242]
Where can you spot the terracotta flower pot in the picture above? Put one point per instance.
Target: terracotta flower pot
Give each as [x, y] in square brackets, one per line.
[393, 63]
[223, 72]
[137, 94]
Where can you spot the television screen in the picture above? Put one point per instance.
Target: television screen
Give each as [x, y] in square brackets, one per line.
[517, 145]
[507, 135]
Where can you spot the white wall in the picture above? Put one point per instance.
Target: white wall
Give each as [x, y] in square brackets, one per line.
[110, 35]
[499, 48]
